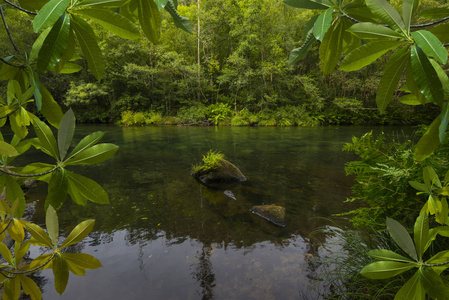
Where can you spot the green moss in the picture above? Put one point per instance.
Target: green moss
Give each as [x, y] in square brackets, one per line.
[211, 161]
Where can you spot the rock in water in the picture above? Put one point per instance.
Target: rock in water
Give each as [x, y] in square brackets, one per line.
[273, 213]
[230, 194]
[227, 173]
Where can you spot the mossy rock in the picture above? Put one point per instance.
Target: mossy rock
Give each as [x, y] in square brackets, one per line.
[273, 213]
[220, 177]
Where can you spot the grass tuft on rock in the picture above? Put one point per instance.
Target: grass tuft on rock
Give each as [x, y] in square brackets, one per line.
[211, 161]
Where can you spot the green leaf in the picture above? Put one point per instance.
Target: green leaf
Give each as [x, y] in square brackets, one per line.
[60, 272]
[150, 19]
[66, 132]
[300, 53]
[20, 250]
[50, 108]
[39, 234]
[6, 254]
[440, 258]
[70, 68]
[425, 76]
[93, 155]
[322, 24]
[82, 189]
[101, 3]
[68, 54]
[49, 13]
[180, 21]
[14, 193]
[431, 45]
[392, 74]
[57, 189]
[367, 53]
[32, 5]
[421, 234]
[11, 288]
[368, 31]
[88, 42]
[409, 100]
[54, 45]
[16, 230]
[435, 13]
[429, 141]
[433, 284]
[431, 178]
[408, 9]
[52, 223]
[113, 22]
[331, 47]
[37, 45]
[161, 3]
[387, 14]
[46, 138]
[413, 86]
[7, 150]
[309, 4]
[17, 127]
[419, 186]
[86, 143]
[401, 236]
[382, 254]
[385, 269]
[83, 260]
[412, 289]
[30, 287]
[78, 233]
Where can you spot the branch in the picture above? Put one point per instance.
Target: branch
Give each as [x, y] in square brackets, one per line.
[27, 175]
[21, 9]
[12, 65]
[18, 272]
[437, 265]
[429, 24]
[10, 113]
[7, 29]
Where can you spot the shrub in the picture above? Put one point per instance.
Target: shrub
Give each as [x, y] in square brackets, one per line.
[192, 114]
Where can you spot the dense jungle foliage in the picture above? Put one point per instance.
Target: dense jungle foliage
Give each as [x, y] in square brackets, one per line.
[239, 75]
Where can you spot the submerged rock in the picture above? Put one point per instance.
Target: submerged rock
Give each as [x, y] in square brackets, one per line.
[273, 213]
[226, 174]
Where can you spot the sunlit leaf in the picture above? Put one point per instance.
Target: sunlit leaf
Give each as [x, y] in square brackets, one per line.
[401, 236]
[61, 273]
[367, 53]
[433, 284]
[408, 9]
[368, 31]
[113, 22]
[50, 108]
[392, 74]
[382, 254]
[385, 269]
[14, 194]
[322, 24]
[309, 4]
[30, 287]
[331, 47]
[387, 14]
[6, 254]
[78, 233]
[39, 234]
[37, 45]
[70, 68]
[11, 288]
[421, 234]
[83, 260]
[66, 132]
[94, 155]
[16, 230]
[7, 150]
[49, 13]
[431, 45]
[52, 223]
[46, 138]
[86, 143]
[412, 289]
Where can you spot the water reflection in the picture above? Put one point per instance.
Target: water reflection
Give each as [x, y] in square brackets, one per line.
[165, 236]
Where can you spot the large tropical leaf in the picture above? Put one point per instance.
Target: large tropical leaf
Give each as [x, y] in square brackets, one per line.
[57, 189]
[387, 14]
[78, 233]
[88, 42]
[180, 21]
[300, 53]
[83, 260]
[431, 45]
[65, 133]
[322, 24]
[412, 289]
[113, 22]
[30, 287]
[82, 188]
[331, 47]
[37, 45]
[433, 284]
[392, 73]
[52, 223]
[39, 235]
[14, 195]
[50, 108]
[429, 141]
[421, 234]
[309, 4]
[441, 31]
[49, 14]
[444, 121]
[367, 53]
[55, 44]
[7, 149]
[425, 76]
[385, 269]
[408, 9]
[32, 5]
[401, 236]
[382, 254]
[101, 3]
[46, 138]
[93, 155]
[368, 31]
[60, 272]
[86, 143]
[150, 19]
[435, 13]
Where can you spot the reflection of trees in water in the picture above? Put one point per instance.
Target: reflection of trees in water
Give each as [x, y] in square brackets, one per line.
[204, 273]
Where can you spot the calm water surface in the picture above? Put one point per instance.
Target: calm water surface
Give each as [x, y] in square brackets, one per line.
[165, 236]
